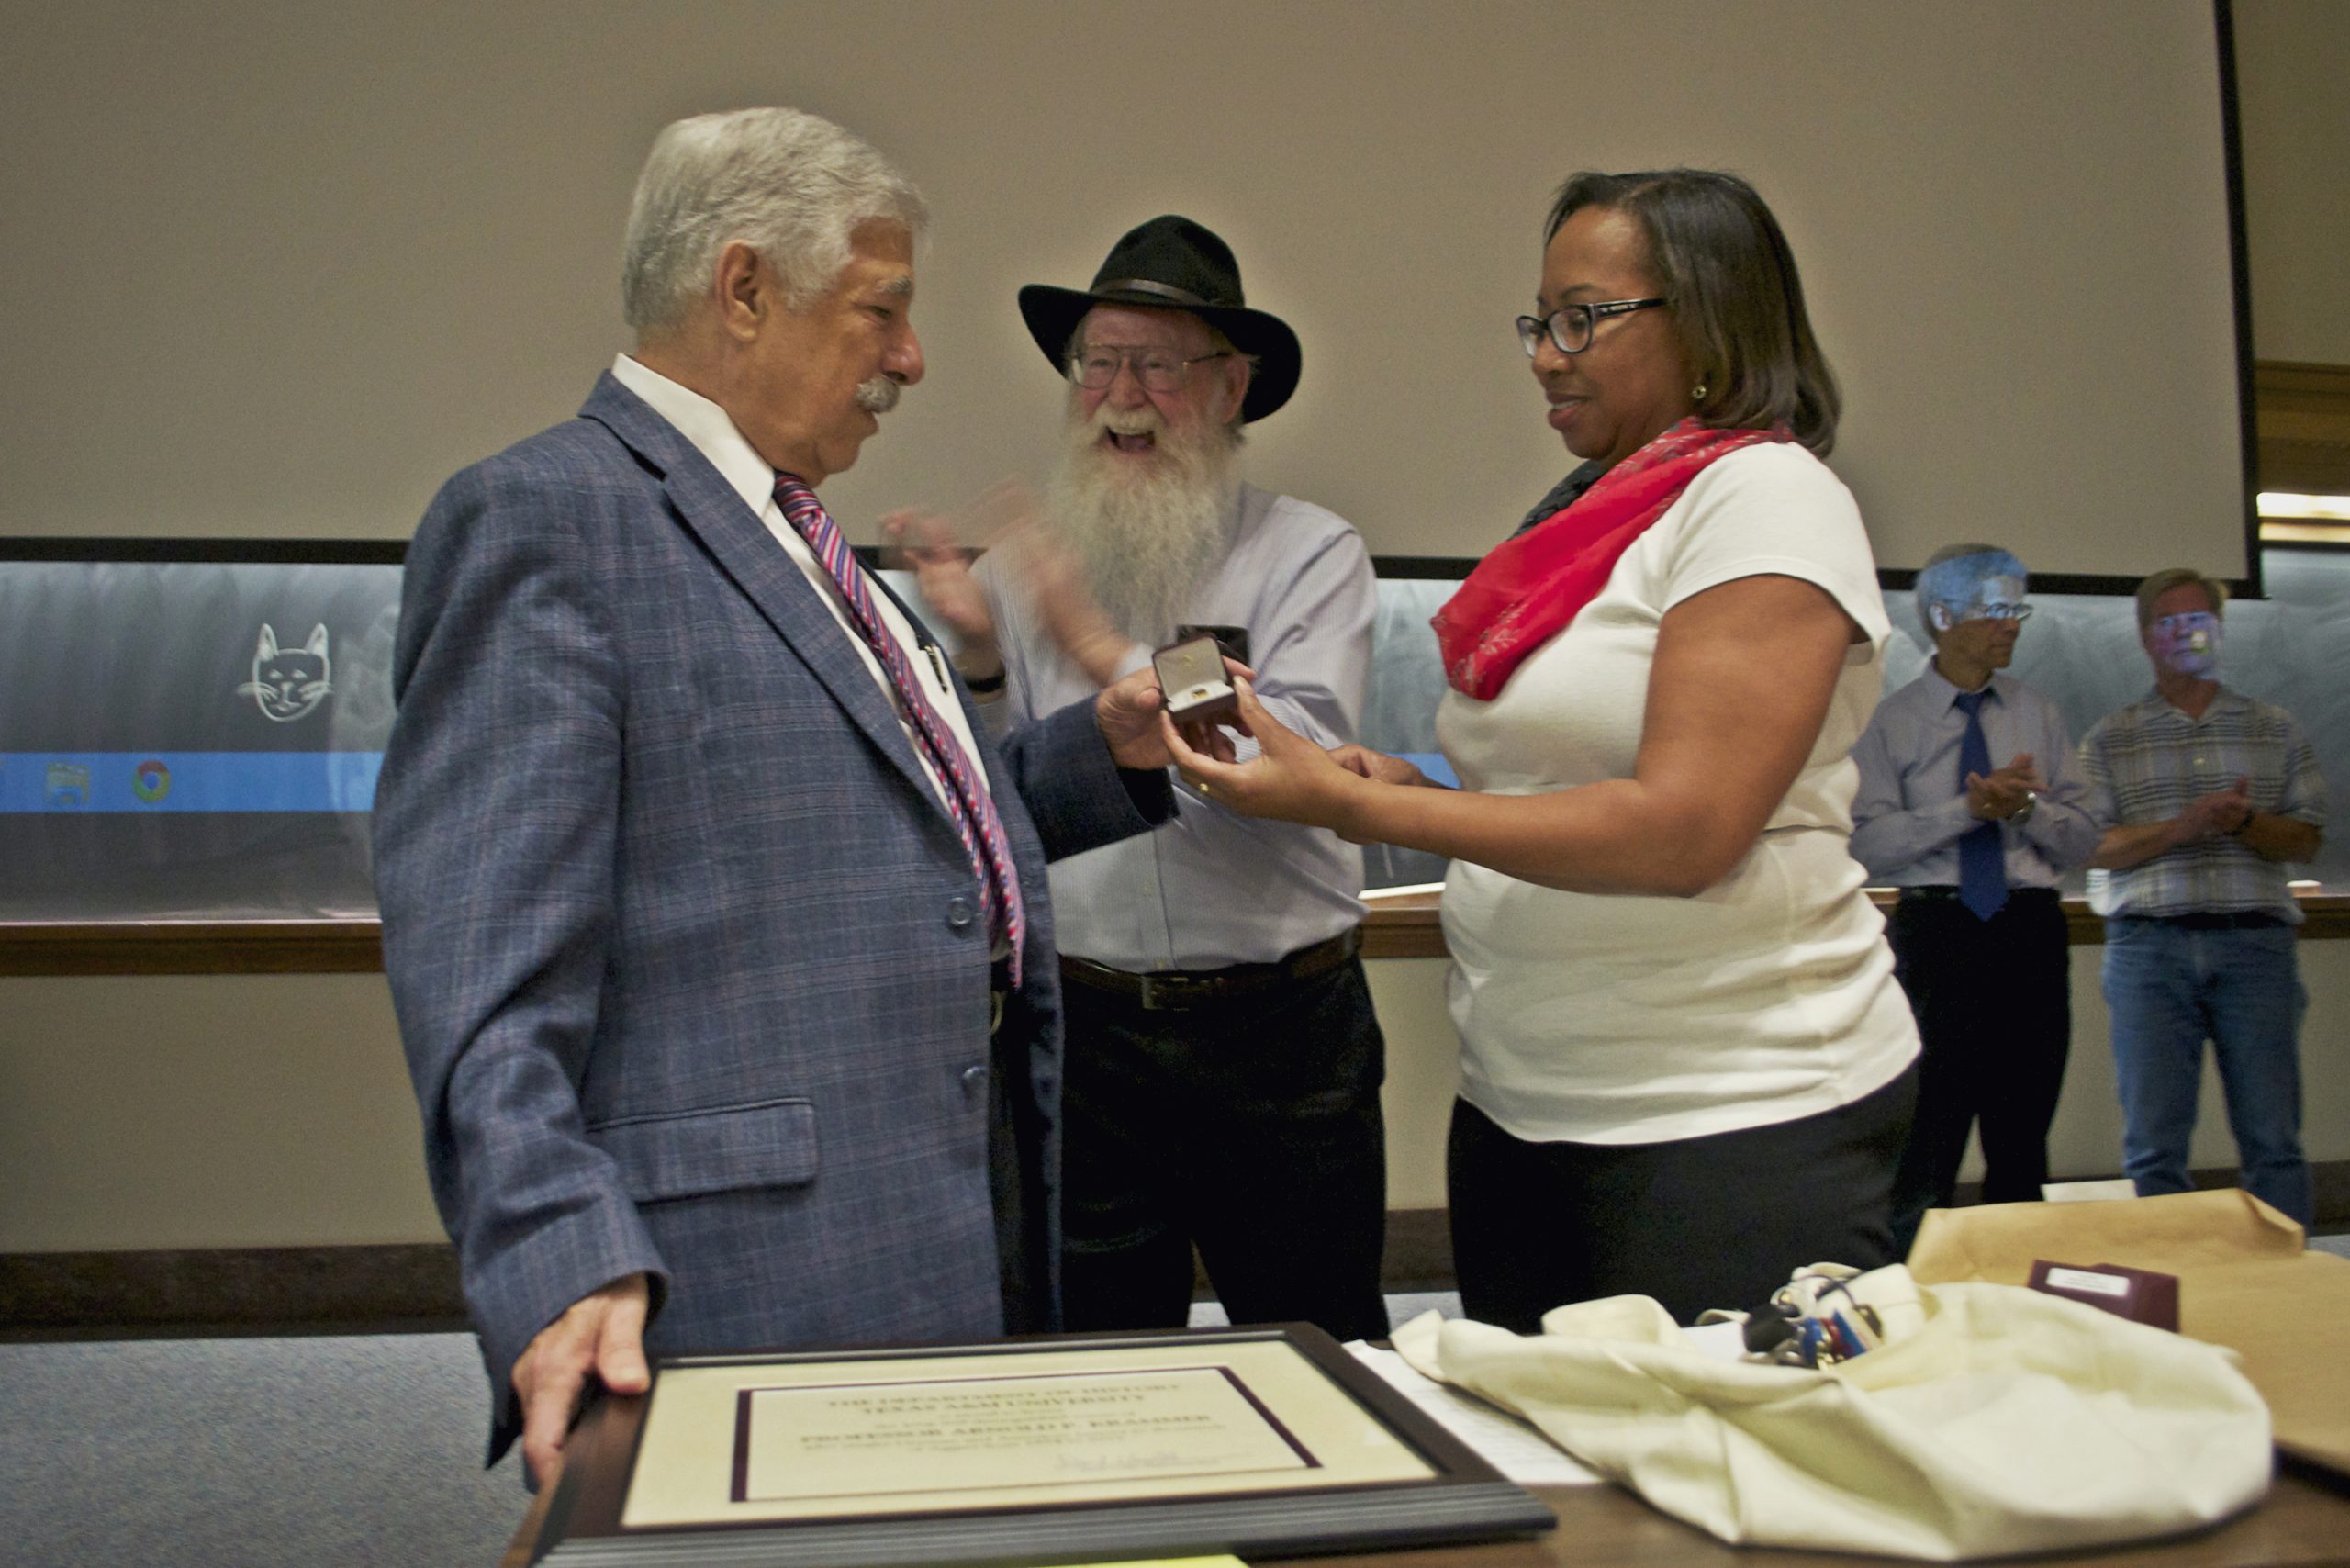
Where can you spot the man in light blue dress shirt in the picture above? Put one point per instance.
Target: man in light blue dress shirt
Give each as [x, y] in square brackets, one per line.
[1223, 1060]
[1979, 948]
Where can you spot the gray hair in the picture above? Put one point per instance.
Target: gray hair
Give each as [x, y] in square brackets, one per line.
[791, 186]
[1932, 586]
[2159, 583]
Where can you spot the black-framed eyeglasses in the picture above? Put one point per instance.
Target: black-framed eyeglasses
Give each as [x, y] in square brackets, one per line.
[1570, 326]
[1095, 365]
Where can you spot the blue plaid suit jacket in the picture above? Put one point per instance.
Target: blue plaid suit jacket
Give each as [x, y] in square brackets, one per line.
[687, 954]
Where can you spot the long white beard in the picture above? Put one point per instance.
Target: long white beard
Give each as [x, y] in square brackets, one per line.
[1148, 533]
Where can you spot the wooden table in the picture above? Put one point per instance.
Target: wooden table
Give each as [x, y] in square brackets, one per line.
[2304, 1522]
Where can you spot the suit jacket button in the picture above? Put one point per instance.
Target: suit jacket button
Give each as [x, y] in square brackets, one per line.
[974, 1077]
[958, 911]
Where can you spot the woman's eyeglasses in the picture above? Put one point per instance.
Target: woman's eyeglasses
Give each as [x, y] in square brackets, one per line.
[1570, 326]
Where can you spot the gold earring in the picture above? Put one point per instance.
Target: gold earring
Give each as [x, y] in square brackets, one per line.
[1697, 392]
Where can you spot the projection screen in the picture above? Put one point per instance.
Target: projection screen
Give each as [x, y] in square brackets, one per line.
[275, 270]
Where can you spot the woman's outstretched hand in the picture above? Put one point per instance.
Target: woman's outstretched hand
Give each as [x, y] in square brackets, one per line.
[1380, 767]
[1290, 779]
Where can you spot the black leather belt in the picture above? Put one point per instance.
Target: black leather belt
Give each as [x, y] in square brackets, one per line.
[1162, 990]
[1938, 891]
[2232, 920]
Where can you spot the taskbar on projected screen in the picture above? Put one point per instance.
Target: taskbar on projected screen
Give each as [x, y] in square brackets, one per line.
[142, 783]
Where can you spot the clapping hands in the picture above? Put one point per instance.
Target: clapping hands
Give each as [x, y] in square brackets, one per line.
[2004, 791]
[2221, 811]
[1007, 522]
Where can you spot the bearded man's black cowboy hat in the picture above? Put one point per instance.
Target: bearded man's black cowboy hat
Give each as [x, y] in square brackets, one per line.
[1173, 263]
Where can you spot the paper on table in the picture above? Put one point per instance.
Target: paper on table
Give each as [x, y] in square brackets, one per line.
[1510, 1445]
[2243, 1282]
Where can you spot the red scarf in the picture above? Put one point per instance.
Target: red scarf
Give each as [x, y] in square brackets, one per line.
[1524, 593]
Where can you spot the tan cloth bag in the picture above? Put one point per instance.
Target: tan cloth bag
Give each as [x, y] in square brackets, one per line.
[2010, 1421]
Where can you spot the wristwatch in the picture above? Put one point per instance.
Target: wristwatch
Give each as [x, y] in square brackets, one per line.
[2023, 812]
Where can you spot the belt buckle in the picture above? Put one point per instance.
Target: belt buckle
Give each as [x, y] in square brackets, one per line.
[1162, 994]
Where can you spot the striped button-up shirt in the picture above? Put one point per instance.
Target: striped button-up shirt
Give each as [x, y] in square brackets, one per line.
[2145, 762]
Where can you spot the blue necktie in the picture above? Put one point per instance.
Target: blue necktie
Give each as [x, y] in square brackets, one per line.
[1982, 858]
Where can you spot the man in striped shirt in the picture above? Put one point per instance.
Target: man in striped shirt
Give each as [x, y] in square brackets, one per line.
[2204, 795]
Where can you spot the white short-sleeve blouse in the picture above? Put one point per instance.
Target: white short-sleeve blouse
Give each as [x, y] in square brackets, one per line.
[1620, 1019]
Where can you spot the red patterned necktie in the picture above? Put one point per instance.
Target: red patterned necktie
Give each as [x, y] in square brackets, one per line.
[972, 808]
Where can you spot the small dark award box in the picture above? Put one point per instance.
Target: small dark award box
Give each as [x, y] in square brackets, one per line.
[2139, 1295]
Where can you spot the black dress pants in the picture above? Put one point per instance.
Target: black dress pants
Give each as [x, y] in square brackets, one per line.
[1249, 1127]
[1696, 1223]
[1994, 1004]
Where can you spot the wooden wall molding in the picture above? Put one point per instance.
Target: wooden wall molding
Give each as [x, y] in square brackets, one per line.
[2302, 414]
[1405, 927]
[191, 947]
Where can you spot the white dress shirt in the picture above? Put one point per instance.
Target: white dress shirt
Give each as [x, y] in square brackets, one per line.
[714, 435]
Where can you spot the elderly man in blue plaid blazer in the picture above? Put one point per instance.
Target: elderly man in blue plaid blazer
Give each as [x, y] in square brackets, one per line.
[719, 939]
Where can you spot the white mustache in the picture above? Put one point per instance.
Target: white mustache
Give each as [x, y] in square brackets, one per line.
[878, 396]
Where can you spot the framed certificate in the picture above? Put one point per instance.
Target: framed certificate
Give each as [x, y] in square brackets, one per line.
[1072, 1449]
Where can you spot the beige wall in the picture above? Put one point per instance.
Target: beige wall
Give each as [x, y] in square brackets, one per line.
[167, 1112]
[227, 1111]
[2292, 66]
[278, 268]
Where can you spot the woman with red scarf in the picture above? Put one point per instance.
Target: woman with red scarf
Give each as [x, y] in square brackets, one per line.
[1686, 1068]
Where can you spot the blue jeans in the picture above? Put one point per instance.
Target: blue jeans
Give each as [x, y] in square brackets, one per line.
[2171, 988]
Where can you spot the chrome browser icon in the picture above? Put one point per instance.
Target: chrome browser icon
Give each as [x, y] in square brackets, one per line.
[151, 782]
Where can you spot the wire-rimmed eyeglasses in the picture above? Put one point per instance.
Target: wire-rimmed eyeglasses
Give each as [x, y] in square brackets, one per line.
[1998, 609]
[1095, 365]
[1570, 326]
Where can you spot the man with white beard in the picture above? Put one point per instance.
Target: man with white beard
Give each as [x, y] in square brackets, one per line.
[1223, 1062]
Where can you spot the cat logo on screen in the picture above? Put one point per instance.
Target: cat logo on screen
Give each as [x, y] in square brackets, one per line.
[288, 684]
